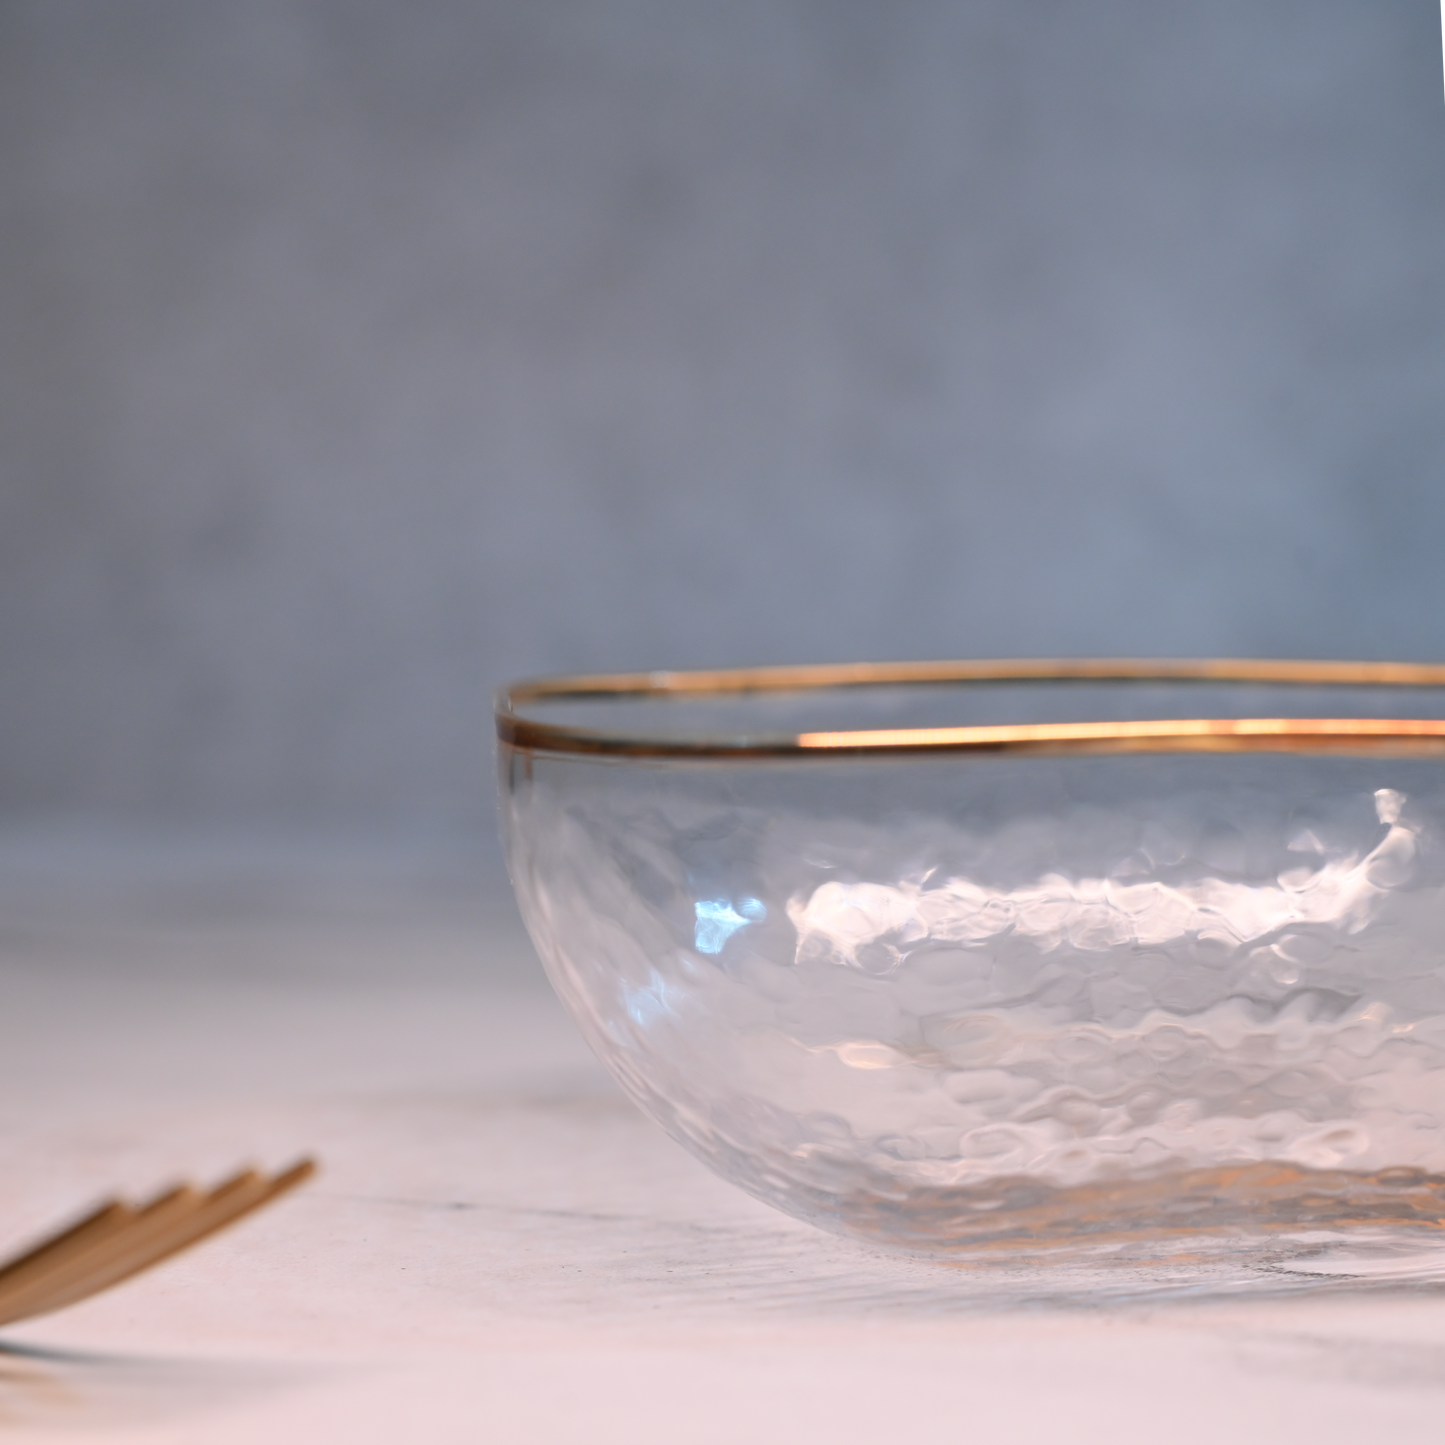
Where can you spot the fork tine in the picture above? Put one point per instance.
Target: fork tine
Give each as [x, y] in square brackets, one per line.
[168, 1224]
[103, 1220]
[53, 1271]
[182, 1222]
[229, 1202]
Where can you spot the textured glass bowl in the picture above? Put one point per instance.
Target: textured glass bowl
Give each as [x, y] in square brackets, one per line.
[1020, 958]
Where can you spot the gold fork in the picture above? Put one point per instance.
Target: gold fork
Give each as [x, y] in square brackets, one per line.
[118, 1240]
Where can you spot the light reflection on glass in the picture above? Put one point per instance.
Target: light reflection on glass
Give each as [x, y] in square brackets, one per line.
[718, 920]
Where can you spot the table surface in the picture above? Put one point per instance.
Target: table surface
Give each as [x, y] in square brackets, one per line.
[499, 1247]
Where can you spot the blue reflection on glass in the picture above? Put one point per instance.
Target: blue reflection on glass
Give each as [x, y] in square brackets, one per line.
[647, 1005]
[718, 920]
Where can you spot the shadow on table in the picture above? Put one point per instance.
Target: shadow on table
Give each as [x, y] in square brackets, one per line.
[76, 1390]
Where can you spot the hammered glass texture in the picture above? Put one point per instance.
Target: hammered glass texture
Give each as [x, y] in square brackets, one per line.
[942, 1002]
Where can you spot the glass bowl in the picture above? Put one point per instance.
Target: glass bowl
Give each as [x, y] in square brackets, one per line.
[1011, 959]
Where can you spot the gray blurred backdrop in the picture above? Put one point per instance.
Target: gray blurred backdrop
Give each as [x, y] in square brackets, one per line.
[357, 355]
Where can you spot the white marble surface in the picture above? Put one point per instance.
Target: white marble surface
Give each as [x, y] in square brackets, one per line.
[499, 1247]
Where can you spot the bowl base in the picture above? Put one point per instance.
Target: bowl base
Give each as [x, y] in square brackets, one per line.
[1262, 1210]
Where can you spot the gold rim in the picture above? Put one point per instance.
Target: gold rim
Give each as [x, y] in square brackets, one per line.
[1395, 736]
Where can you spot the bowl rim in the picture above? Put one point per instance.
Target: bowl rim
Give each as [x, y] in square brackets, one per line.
[1373, 736]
